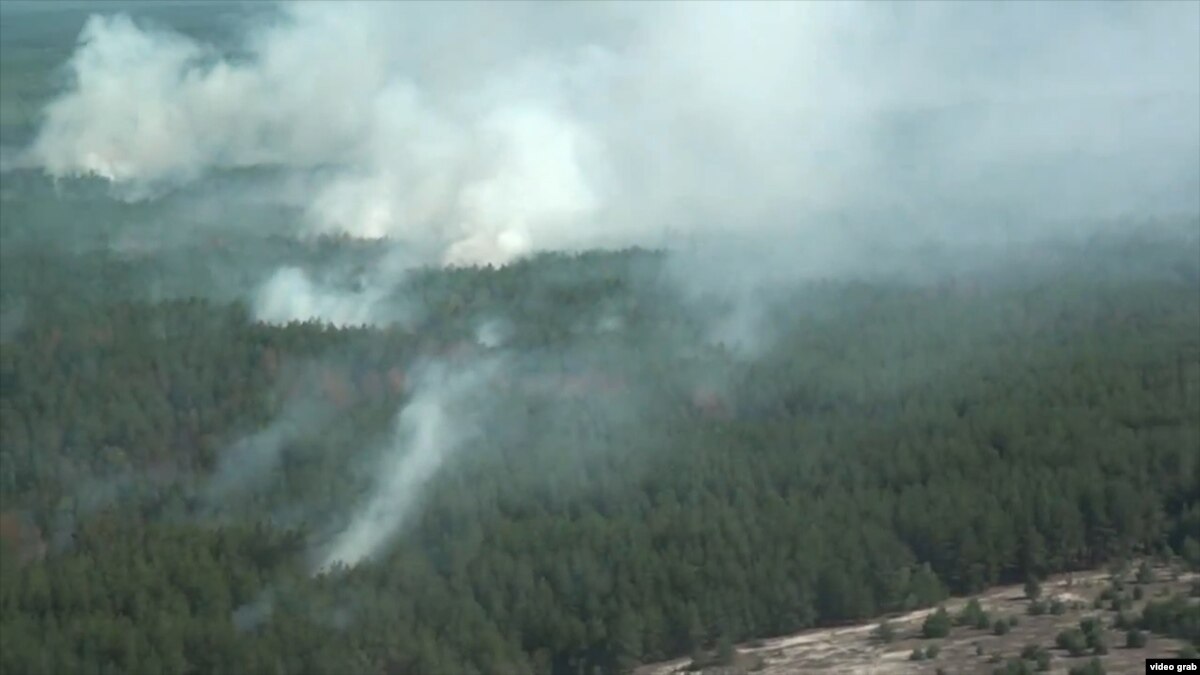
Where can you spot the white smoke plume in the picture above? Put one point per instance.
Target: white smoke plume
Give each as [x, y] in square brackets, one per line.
[251, 459]
[427, 431]
[482, 132]
[493, 333]
[366, 299]
[291, 295]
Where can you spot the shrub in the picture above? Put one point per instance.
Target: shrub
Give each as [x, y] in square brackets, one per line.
[1134, 639]
[937, 625]
[1073, 641]
[1145, 575]
[972, 615]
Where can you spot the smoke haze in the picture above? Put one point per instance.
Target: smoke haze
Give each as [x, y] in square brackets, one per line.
[477, 133]
[763, 143]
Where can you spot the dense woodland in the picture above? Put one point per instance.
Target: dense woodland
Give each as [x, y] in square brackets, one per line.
[640, 490]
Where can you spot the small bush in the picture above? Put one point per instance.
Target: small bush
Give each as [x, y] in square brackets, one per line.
[1033, 588]
[1073, 641]
[1145, 575]
[1134, 639]
[972, 615]
[1037, 608]
[1058, 607]
[937, 625]
[1001, 627]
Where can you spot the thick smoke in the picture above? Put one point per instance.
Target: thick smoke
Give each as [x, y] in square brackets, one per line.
[481, 132]
[439, 418]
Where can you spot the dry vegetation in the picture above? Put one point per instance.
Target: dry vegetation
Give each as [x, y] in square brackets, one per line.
[860, 649]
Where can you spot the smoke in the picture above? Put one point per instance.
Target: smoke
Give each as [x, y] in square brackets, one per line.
[12, 319]
[493, 333]
[290, 295]
[478, 134]
[434, 423]
[247, 617]
[251, 459]
[338, 297]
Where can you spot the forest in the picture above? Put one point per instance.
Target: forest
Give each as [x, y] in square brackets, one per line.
[564, 338]
[635, 491]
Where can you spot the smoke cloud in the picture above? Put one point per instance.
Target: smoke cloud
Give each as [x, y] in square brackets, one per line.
[427, 430]
[478, 133]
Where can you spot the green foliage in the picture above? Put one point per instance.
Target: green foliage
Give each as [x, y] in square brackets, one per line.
[1135, 639]
[972, 614]
[1033, 588]
[1073, 641]
[936, 625]
[898, 442]
[1145, 574]
[1176, 617]
[725, 651]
